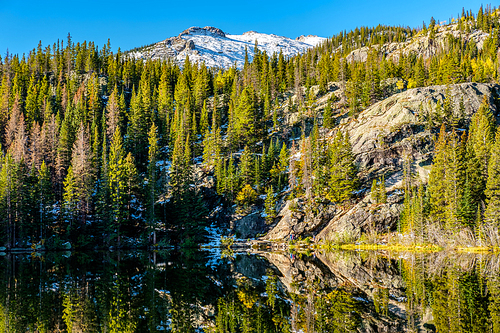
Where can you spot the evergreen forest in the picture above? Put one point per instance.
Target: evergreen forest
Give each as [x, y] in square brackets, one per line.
[99, 149]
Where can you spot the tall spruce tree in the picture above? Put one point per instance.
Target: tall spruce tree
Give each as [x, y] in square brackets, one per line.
[492, 213]
[152, 180]
[437, 187]
[342, 172]
[454, 179]
[270, 205]
[117, 184]
[246, 167]
[482, 135]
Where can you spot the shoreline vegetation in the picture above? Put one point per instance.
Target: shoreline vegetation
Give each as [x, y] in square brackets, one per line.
[388, 242]
[299, 245]
[308, 245]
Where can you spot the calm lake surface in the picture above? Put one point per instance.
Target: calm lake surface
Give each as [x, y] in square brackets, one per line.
[203, 291]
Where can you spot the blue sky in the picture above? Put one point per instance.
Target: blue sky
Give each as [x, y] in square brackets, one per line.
[134, 23]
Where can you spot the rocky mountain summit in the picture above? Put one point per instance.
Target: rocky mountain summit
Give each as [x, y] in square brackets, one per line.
[217, 49]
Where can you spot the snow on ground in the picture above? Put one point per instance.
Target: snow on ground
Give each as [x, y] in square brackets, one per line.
[213, 246]
[221, 50]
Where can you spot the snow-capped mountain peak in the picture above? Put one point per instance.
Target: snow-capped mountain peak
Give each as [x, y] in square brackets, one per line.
[207, 31]
[218, 49]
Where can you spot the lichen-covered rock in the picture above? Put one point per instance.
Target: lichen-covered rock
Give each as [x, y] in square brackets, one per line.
[382, 137]
[391, 130]
[248, 226]
[365, 217]
[293, 220]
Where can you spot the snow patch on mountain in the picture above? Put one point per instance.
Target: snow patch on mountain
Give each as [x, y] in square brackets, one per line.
[218, 49]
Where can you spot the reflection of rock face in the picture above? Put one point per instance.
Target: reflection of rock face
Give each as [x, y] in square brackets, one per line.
[407, 284]
[293, 271]
[252, 267]
[346, 269]
[334, 269]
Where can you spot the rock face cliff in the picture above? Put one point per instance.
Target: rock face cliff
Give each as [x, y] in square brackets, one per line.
[383, 137]
[395, 128]
[422, 44]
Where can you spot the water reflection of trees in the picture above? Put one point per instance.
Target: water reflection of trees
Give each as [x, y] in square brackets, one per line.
[245, 310]
[276, 292]
[459, 292]
[106, 292]
[414, 292]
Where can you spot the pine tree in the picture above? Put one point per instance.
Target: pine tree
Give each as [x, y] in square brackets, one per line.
[81, 162]
[283, 167]
[7, 196]
[133, 207]
[342, 179]
[64, 150]
[13, 123]
[480, 227]
[183, 95]
[448, 104]
[165, 101]
[382, 191]
[152, 179]
[455, 175]
[374, 193]
[180, 170]
[476, 181]
[467, 206]
[32, 108]
[482, 135]
[139, 124]
[45, 199]
[204, 119]
[35, 148]
[208, 148]
[492, 213]
[246, 167]
[257, 171]
[117, 184]
[113, 114]
[438, 112]
[70, 197]
[230, 179]
[270, 205]
[438, 173]
[246, 122]
[328, 120]
[408, 221]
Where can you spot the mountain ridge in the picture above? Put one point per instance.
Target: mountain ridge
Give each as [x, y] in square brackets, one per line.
[216, 48]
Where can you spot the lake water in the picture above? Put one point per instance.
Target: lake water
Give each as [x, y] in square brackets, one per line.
[203, 291]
